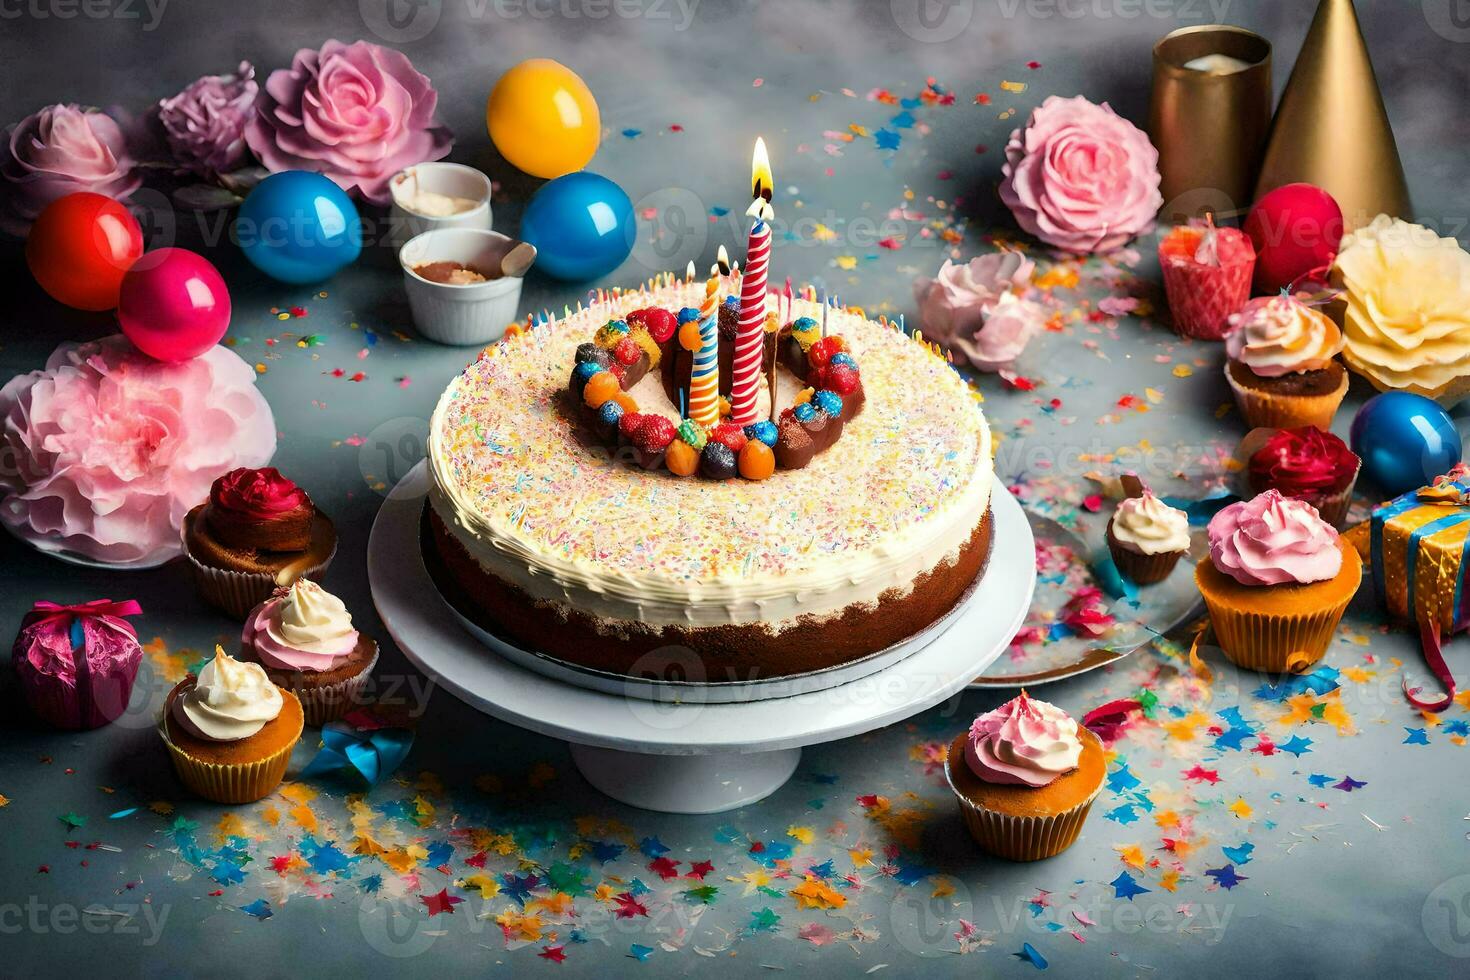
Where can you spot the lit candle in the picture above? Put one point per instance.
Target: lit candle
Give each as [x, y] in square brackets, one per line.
[1217, 64]
[704, 376]
[750, 337]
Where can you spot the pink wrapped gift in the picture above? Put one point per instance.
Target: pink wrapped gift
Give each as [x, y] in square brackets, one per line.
[76, 664]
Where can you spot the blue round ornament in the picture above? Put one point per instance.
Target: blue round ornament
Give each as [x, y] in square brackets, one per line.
[299, 227]
[582, 226]
[1405, 441]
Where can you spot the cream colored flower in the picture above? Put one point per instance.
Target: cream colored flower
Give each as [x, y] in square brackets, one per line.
[1407, 316]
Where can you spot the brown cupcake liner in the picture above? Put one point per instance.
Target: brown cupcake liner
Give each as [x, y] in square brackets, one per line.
[239, 592]
[1021, 838]
[1265, 410]
[328, 702]
[243, 782]
[1274, 644]
[1140, 568]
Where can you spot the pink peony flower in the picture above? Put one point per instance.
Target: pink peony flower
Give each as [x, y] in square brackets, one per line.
[104, 450]
[1004, 335]
[59, 150]
[205, 123]
[956, 302]
[1080, 177]
[358, 113]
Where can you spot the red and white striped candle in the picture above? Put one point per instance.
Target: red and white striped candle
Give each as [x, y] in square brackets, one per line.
[750, 336]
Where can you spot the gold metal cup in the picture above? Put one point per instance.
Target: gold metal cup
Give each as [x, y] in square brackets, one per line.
[1209, 126]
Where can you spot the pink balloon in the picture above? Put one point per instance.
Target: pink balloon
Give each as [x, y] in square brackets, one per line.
[173, 305]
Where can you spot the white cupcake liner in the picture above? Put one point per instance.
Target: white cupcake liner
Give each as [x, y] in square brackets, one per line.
[239, 592]
[1021, 838]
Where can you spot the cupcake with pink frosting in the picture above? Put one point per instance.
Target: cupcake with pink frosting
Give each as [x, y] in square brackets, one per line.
[1282, 364]
[1277, 582]
[303, 637]
[1025, 776]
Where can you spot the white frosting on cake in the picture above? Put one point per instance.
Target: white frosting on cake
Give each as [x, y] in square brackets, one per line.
[899, 493]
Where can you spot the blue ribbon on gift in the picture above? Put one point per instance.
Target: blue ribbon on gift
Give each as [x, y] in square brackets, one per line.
[370, 755]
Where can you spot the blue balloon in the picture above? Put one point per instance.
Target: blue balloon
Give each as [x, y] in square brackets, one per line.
[1405, 441]
[581, 225]
[299, 227]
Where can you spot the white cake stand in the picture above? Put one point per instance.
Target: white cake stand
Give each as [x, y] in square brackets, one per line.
[682, 756]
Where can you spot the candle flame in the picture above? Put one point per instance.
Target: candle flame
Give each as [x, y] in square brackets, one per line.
[689, 272]
[722, 263]
[762, 185]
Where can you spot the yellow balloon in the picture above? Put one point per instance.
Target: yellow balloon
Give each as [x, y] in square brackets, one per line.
[543, 118]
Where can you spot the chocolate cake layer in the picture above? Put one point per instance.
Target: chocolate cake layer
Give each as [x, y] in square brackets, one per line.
[709, 654]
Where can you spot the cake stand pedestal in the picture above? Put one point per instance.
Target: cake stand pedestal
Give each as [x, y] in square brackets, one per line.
[683, 755]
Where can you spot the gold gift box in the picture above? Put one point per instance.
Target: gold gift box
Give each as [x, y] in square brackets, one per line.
[1417, 549]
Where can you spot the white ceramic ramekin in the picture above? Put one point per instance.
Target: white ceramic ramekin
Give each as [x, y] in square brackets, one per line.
[453, 179]
[477, 313]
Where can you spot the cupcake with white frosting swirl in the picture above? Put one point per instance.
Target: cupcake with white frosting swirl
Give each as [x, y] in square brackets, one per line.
[1283, 364]
[304, 638]
[230, 730]
[1147, 537]
[1025, 776]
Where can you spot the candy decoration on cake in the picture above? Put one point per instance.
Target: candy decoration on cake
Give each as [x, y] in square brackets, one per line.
[704, 379]
[750, 339]
[80, 247]
[1404, 440]
[299, 227]
[173, 305]
[76, 663]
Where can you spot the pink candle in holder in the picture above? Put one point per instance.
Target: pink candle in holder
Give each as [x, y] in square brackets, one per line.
[1207, 277]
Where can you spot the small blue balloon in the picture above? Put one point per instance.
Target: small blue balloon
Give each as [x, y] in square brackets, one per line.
[1405, 441]
[582, 226]
[299, 227]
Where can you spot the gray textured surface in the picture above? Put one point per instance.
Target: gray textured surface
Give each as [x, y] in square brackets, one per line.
[1329, 894]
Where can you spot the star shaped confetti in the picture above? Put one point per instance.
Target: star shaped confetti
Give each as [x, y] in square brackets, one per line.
[1226, 876]
[1349, 784]
[1125, 886]
[1296, 745]
[440, 902]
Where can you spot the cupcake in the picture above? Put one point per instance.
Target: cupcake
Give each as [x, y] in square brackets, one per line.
[1309, 465]
[1276, 583]
[257, 531]
[230, 731]
[1025, 776]
[304, 639]
[1207, 277]
[1147, 538]
[1281, 364]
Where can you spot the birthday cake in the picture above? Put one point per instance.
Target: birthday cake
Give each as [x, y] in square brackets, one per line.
[593, 499]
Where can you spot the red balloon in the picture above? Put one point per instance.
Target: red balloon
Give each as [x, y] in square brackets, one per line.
[1296, 229]
[173, 305]
[80, 247]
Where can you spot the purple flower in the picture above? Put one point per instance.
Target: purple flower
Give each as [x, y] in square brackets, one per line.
[358, 113]
[57, 151]
[205, 123]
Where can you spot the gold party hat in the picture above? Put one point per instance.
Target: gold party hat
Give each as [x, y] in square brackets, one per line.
[1331, 128]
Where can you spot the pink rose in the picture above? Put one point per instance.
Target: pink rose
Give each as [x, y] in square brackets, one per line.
[1004, 335]
[358, 113]
[205, 123]
[1080, 177]
[957, 301]
[59, 150]
[104, 451]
